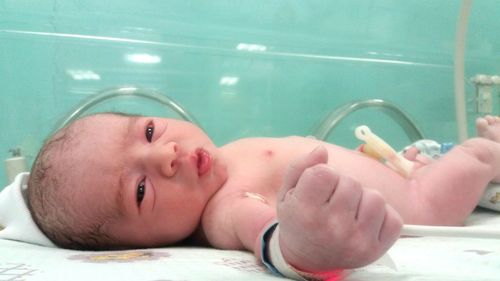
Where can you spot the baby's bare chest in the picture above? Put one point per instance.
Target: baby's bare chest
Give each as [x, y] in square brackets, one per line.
[256, 171]
[257, 167]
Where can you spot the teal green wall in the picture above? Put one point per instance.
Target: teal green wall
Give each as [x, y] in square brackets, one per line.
[308, 57]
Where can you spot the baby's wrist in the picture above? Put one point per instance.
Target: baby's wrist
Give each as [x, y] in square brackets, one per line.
[273, 259]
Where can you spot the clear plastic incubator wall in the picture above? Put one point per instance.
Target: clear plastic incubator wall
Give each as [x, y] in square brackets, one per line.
[407, 69]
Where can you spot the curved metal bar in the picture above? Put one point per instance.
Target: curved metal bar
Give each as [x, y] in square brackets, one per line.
[338, 114]
[121, 92]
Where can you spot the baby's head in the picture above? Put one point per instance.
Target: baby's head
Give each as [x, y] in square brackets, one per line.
[115, 181]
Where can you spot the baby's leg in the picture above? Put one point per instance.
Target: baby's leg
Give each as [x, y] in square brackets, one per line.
[451, 187]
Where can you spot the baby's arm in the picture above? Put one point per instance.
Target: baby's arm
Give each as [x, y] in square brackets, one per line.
[326, 221]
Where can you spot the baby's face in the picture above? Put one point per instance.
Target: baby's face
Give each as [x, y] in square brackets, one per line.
[155, 174]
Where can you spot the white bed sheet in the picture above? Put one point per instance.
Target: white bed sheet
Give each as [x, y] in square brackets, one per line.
[426, 258]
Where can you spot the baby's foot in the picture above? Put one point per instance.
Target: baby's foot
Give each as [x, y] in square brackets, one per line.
[488, 127]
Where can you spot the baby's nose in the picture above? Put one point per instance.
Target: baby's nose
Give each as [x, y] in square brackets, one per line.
[169, 159]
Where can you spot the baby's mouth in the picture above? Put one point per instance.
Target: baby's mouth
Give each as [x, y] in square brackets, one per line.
[203, 161]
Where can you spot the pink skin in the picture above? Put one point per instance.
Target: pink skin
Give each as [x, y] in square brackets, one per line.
[331, 202]
[488, 127]
[419, 160]
[177, 196]
[370, 227]
[180, 170]
[315, 196]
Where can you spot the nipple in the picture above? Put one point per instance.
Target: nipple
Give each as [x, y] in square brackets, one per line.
[378, 148]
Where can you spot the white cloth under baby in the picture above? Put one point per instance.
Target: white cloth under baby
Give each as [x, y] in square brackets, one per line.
[16, 222]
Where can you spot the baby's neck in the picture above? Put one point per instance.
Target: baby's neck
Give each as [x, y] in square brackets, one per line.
[197, 238]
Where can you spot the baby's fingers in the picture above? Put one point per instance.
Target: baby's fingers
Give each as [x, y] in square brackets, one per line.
[344, 203]
[391, 228]
[317, 185]
[371, 213]
[295, 170]
[377, 219]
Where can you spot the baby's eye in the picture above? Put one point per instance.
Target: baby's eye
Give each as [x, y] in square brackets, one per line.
[150, 129]
[141, 191]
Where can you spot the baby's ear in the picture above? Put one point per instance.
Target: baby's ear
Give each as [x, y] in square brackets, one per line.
[317, 156]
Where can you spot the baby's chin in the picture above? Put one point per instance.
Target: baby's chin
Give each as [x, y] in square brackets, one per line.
[218, 174]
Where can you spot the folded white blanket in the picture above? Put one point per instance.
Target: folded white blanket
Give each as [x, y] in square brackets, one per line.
[16, 222]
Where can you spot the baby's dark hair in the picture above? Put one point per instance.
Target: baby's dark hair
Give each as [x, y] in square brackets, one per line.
[48, 198]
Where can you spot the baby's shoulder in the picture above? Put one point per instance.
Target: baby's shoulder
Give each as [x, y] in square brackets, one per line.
[233, 217]
[218, 220]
